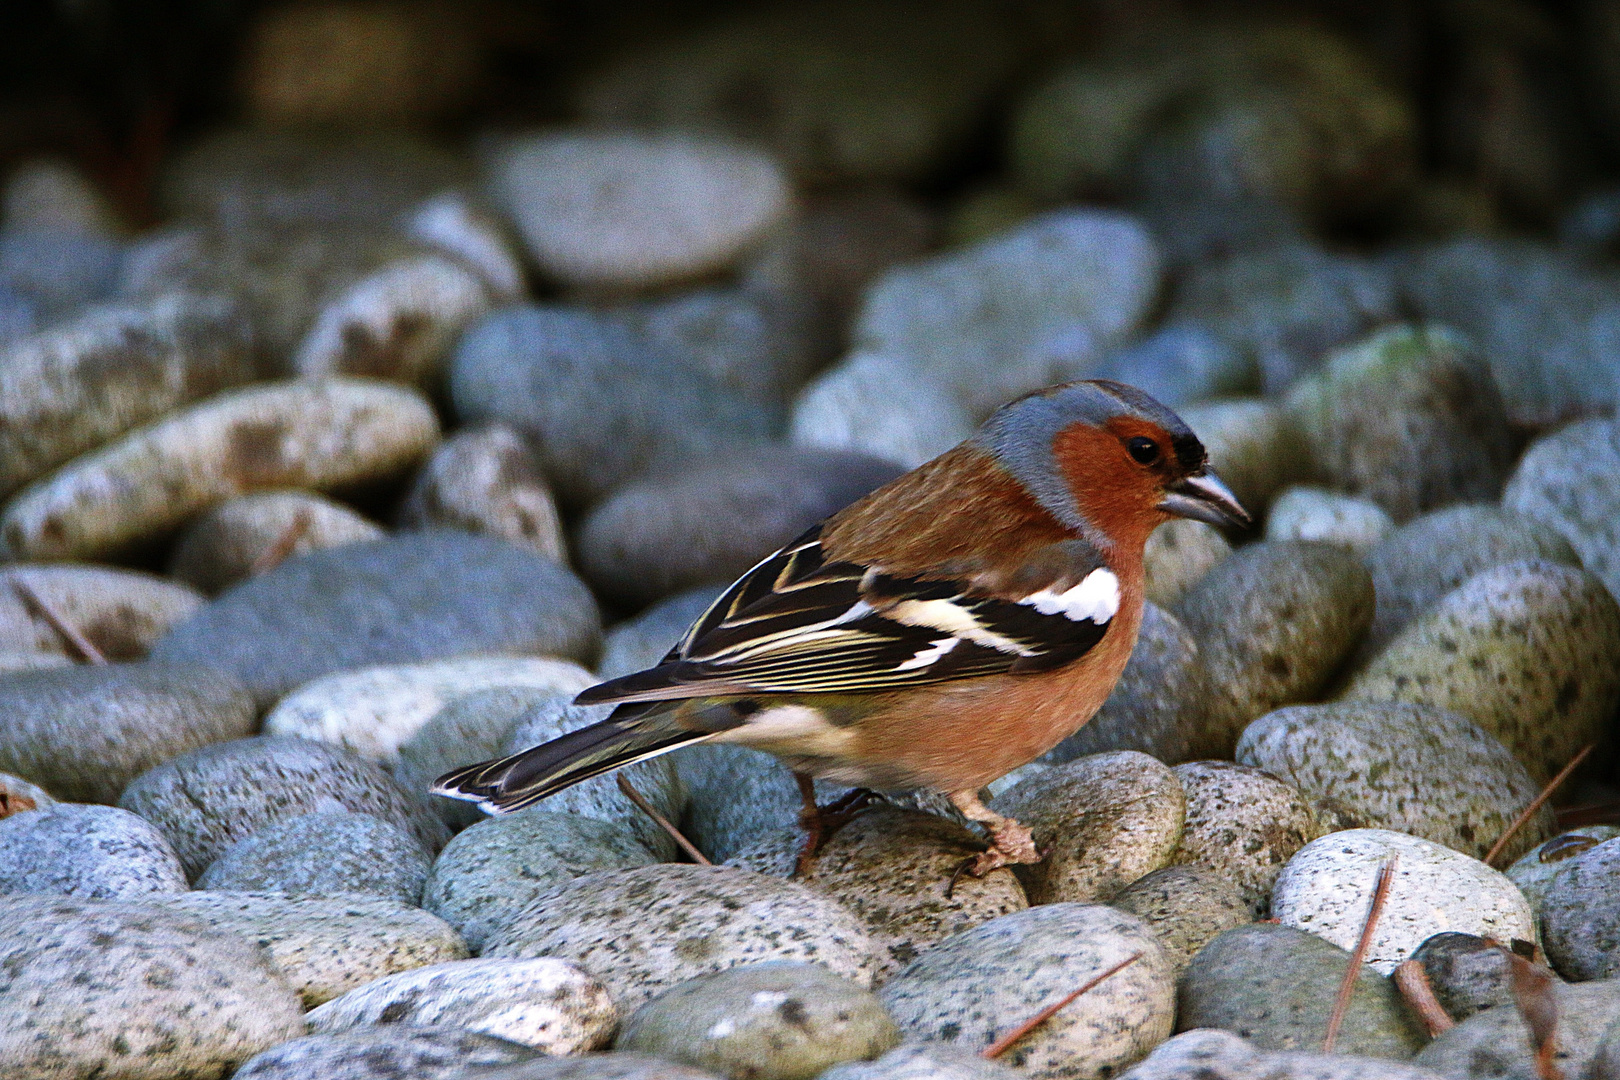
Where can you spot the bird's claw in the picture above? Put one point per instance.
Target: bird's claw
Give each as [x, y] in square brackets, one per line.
[1010, 844]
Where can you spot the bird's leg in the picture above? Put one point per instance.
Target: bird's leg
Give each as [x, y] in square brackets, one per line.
[1010, 842]
[820, 822]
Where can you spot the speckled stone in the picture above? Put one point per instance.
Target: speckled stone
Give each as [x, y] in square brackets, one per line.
[1178, 555]
[1276, 985]
[1272, 623]
[1410, 768]
[492, 870]
[924, 1061]
[973, 987]
[1253, 446]
[373, 711]
[384, 1052]
[1419, 563]
[211, 798]
[1159, 705]
[549, 1005]
[891, 867]
[873, 403]
[93, 852]
[640, 643]
[591, 1067]
[486, 480]
[774, 1021]
[1243, 825]
[1104, 821]
[1181, 361]
[86, 731]
[1212, 1054]
[323, 854]
[738, 797]
[327, 945]
[1526, 650]
[1606, 1062]
[1533, 873]
[1496, 1042]
[121, 611]
[1301, 512]
[643, 930]
[1326, 888]
[1580, 915]
[1185, 907]
[410, 598]
[1567, 480]
[222, 544]
[110, 988]
[1466, 973]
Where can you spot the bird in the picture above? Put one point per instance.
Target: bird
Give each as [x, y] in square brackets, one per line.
[938, 633]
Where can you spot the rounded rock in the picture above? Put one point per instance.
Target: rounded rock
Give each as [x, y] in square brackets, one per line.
[385, 1052]
[486, 480]
[1243, 825]
[1467, 974]
[1500, 1039]
[1567, 480]
[1525, 650]
[738, 797]
[875, 404]
[1533, 873]
[975, 986]
[775, 1021]
[1309, 513]
[1327, 887]
[1213, 1054]
[93, 852]
[1409, 768]
[206, 800]
[323, 854]
[121, 612]
[1185, 907]
[924, 1061]
[639, 643]
[545, 1004]
[1177, 556]
[643, 930]
[1580, 915]
[226, 543]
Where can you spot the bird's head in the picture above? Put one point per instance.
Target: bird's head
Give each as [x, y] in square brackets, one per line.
[1108, 461]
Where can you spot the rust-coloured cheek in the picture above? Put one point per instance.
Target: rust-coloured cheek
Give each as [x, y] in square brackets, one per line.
[1116, 494]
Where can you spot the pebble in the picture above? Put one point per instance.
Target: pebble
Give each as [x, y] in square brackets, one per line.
[120, 611]
[49, 194]
[319, 434]
[1302, 512]
[777, 1020]
[924, 1061]
[452, 222]
[1273, 622]
[1177, 556]
[493, 869]
[486, 480]
[85, 732]
[51, 275]
[1253, 446]
[1580, 915]
[1327, 887]
[1408, 768]
[79, 384]
[410, 598]
[93, 852]
[323, 854]
[1533, 873]
[641, 931]
[624, 210]
[111, 988]
[1467, 974]
[591, 1067]
[1276, 985]
[710, 523]
[326, 946]
[549, 1005]
[1419, 563]
[893, 868]
[1499, 1040]
[1185, 907]
[384, 1052]
[641, 642]
[736, 798]
[1212, 1054]
[1243, 825]
[1159, 704]
[1181, 362]
[1409, 418]
[206, 800]
[975, 986]
[1103, 820]
[598, 404]
[226, 543]
[1524, 649]
[374, 711]
[873, 403]
[1038, 304]
[1566, 480]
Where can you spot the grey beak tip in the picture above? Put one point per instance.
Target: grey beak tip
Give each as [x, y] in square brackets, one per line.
[1204, 498]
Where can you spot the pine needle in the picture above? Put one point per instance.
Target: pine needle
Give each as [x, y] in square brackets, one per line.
[663, 822]
[1003, 1044]
[1341, 1004]
[1413, 983]
[59, 622]
[276, 554]
[1528, 812]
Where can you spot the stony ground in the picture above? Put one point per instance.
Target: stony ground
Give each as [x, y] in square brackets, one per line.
[376, 450]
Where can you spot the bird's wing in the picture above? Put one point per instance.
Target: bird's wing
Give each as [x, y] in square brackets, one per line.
[798, 624]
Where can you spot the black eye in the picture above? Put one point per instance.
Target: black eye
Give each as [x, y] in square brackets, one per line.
[1145, 451]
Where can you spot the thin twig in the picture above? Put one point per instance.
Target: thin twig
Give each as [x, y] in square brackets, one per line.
[276, 554]
[663, 822]
[59, 622]
[1535, 994]
[14, 804]
[1341, 1004]
[1413, 983]
[1003, 1044]
[1536, 803]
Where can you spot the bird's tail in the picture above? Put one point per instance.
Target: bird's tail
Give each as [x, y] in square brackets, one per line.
[512, 783]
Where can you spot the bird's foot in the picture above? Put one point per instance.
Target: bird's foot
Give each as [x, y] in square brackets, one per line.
[1010, 843]
[821, 822]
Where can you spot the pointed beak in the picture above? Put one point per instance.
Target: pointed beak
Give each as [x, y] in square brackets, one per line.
[1203, 497]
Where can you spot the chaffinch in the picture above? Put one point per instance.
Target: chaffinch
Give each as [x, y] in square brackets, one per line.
[949, 627]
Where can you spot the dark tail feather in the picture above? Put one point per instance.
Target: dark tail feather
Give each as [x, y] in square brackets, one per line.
[512, 783]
